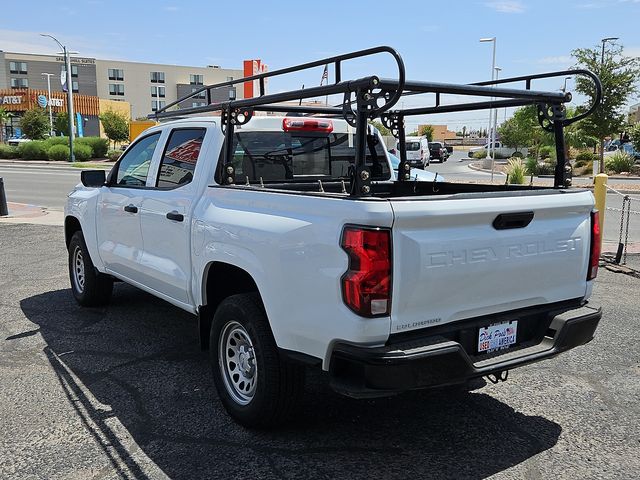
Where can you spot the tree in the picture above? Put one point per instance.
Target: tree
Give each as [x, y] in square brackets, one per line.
[61, 124]
[4, 117]
[523, 130]
[384, 131]
[619, 77]
[635, 136]
[116, 126]
[426, 131]
[35, 124]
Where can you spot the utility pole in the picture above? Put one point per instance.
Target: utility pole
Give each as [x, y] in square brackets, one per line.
[49, 75]
[67, 62]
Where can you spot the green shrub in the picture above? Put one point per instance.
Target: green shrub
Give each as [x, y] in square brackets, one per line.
[515, 171]
[546, 168]
[531, 166]
[480, 154]
[51, 141]
[82, 152]
[619, 162]
[546, 151]
[7, 151]
[59, 153]
[99, 146]
[33, 150]
[114, 155]
[585, 157]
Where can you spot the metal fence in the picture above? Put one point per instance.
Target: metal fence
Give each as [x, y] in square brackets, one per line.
[628, 226]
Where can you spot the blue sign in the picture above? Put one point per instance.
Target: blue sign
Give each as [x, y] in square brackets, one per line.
[42, 101]
[80, 124]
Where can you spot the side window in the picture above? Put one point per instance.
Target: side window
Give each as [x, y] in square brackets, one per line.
[180, 157]
[133, 168]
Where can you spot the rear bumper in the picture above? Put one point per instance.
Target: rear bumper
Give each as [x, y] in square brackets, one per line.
[434, 361]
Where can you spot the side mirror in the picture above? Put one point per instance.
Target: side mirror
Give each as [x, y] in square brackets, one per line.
[93, 178]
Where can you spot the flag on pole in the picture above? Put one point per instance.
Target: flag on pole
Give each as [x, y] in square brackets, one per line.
[325, 75]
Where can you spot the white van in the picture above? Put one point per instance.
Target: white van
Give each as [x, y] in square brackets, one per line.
[417, 151]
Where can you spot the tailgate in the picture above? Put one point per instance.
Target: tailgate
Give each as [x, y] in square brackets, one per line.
[451, 263]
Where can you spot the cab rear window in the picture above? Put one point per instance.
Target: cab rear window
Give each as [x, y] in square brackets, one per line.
[286, 156]
[413, 146]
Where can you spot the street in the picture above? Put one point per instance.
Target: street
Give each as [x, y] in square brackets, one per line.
[124, 392]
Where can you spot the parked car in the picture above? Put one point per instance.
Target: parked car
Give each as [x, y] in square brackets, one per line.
[417, 151]
[500, 149]
[438, 151]
[16, 141]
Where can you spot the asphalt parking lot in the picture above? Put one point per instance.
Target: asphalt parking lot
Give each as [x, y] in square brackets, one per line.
[124, 392]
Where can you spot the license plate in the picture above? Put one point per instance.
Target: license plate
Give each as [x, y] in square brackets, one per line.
[497, 337]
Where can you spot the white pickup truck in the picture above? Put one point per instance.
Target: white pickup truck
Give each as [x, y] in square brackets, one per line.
[500, 149]
[291, 241]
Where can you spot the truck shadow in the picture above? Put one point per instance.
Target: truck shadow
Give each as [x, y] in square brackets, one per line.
[137, 365]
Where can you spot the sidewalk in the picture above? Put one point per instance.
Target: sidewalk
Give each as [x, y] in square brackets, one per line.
[24, 213]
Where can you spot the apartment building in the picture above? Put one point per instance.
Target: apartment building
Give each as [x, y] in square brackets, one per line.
[145, 86]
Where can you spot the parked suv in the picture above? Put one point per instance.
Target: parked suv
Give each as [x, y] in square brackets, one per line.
[438, 151]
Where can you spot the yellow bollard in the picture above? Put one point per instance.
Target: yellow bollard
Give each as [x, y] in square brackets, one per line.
[600, 192]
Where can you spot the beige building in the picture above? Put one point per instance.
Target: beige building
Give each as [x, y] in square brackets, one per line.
[440, 133]
[145, 86]
[149, 86]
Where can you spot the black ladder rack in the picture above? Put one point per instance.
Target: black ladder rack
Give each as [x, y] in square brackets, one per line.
[374, 97]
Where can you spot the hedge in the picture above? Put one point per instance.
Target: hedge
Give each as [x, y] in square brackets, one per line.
[59, 153]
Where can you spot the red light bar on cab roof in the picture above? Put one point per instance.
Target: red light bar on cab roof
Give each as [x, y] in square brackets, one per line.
[297, 124]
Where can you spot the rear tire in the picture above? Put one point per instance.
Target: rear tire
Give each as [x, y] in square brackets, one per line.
[256, 387]
[90, 287]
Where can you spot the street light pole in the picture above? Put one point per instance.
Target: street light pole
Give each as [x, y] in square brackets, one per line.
[495, 128]
[67, 63]
[491, 111]
[604, 40]
[49, 75]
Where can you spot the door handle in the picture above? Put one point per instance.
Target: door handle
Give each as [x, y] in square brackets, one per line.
[131, 209]
[173, 215]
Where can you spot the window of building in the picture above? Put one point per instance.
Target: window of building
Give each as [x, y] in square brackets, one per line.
[18, 67]
[74, 70]
[116, 74]
[158, 92]
[75, 88]
[198, 104]
[202, 94]
[19, 83]
[155, 105]
[157, 77]
[180, 157]
[196, 79]
[116, 89]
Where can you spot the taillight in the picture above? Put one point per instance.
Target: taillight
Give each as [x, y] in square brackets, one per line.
[297, 124]
[594, 257]
[366, 285]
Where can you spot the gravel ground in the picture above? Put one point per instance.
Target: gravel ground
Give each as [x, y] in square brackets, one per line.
[124, 392]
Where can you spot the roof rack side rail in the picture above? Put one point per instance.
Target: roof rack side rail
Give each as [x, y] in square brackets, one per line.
[338, 86]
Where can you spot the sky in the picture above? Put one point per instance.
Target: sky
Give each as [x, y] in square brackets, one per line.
[439, 41]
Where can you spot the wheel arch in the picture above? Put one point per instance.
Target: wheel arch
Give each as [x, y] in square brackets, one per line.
[219, 281]
[71, 226]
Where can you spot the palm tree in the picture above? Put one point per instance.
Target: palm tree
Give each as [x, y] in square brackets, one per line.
[4, 117]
